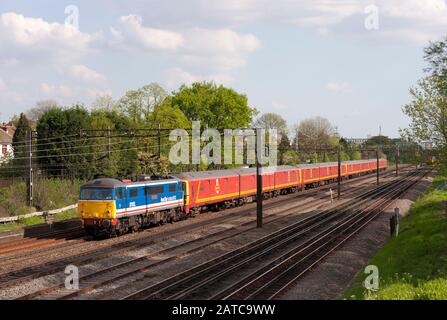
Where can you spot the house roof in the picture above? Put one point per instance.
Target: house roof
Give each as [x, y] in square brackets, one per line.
[5, 138]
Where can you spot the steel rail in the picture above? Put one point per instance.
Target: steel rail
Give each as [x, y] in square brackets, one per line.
[15, 277]
[189, 275]
[274, 217]
[185, 294]
[255, 285]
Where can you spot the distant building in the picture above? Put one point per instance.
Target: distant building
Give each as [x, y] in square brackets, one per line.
[6, 133]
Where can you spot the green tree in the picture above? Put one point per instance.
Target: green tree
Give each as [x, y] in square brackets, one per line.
[19, 141]
[104, 158]
[139, 104]
[60, 148]
[428, 109]
[284, 148]
[215, 106]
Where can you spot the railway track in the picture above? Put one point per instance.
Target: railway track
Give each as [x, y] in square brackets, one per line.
[58, 237]
[121, 270]
[40, 241]
[295, 249]
[143, 239]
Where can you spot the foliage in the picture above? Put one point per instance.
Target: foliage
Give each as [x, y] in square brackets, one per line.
[413, 265]
[13, 199]
[60, 152]
[314, 133]
[428, 109]
[104, 102]
[272, 121]
[48, 194]
[19, 140]
[215, 106]
[427, 112]
[139, 104]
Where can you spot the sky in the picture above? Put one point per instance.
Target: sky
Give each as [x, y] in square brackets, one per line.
[351, 62]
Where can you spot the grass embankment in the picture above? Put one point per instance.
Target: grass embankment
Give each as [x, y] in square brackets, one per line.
[48, 194]
[22, 223]
[413, 265]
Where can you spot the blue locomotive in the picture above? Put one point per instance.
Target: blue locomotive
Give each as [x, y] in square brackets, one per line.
[112, 207]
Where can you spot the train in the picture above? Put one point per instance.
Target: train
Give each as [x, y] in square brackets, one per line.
[110, 207]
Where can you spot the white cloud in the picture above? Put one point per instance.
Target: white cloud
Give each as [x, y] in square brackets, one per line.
[204, 52]
[87, 75]
[56, 91]
[132, 31]
[175, 77]
[399, 20]
[24, 39]
[339, 87]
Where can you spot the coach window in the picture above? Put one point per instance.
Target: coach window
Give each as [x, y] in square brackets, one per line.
[172, 187]
[133, 193]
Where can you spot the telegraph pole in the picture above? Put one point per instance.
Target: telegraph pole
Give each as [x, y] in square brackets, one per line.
[339, 173]
[109, 148]
[377, 154]
[397, 160]
[29, 151]
[159, 142]
[258, 182]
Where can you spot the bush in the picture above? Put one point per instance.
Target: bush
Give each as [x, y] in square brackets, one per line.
[48, 194]
[13, 199]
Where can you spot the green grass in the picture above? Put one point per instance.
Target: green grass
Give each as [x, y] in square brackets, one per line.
[22, 223]
[70, 214]
[413, 265]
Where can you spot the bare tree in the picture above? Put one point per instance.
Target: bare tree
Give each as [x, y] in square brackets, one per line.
[313, 133]
[271, 121]
[41, 107]
[104, 102]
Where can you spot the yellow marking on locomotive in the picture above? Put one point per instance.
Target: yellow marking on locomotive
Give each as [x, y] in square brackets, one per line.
[97, 209]
[186, 191]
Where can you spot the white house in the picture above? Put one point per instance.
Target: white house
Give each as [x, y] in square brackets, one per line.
[6, 133]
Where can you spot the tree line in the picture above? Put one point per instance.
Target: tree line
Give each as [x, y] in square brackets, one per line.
[427, 111]
[120, 138]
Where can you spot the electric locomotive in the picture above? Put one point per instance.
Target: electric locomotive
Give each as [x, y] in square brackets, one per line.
[112, 207]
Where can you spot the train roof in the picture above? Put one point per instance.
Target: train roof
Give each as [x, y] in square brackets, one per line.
[104, 183]
[199, 175]
[114, 183]
[243, 171]
[327, 164]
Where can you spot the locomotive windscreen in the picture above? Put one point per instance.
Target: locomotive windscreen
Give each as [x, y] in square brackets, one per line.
[96, 194]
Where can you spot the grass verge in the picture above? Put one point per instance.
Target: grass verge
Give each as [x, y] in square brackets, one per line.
[413, 266]
[22, 223]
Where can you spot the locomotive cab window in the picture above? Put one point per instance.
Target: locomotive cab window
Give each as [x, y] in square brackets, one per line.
[153, 190]
[119, 193]
[172, 187]
[133, 193]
